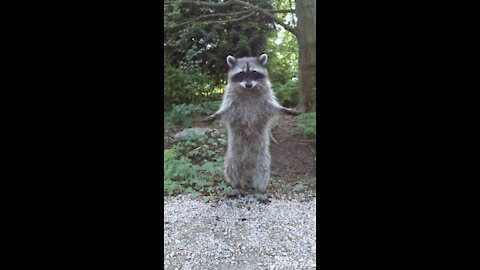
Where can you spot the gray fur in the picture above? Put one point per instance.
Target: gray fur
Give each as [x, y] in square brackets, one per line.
[248, 114]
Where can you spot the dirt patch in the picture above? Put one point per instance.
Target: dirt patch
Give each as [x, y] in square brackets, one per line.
[293, 157]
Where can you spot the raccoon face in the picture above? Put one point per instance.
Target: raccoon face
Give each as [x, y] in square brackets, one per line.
[248, 71]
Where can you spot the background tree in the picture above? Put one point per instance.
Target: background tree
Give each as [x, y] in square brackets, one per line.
[193, 35]
[216, 13]
[307, 45]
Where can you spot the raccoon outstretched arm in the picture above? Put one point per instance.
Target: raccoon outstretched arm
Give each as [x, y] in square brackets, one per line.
[222, 113]
[279, 109]
[216, 116]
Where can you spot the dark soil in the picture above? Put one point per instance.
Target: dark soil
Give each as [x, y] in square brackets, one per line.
[293, 157]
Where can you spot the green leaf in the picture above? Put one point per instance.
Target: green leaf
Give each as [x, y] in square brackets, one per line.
[299, 187]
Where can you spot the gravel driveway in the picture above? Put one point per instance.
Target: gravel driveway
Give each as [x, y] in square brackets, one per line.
[240, 233]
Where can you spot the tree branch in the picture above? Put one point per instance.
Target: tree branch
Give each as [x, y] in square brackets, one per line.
[267, 13]
[210, 22]
[210, 16]
[277, 20]
[224, 14]
[281, 10]
[224, 4]
[232, 20]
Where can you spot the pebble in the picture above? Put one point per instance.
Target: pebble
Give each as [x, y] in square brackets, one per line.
[278, 235]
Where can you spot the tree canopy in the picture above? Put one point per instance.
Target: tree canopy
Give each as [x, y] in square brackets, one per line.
[189, 42]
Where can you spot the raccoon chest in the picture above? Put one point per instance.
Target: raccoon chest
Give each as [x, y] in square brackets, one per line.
[249, 120]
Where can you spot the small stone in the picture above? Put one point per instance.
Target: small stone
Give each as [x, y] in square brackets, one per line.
[194, 133]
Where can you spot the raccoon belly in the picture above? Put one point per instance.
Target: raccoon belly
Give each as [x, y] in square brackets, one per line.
[247, 148]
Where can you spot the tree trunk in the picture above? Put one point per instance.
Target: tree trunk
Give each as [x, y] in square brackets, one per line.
[307, 54]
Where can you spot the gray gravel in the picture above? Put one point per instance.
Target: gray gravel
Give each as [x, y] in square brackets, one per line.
[240, 233]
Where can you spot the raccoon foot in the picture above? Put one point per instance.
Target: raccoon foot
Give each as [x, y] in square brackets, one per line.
[262, 198]
[234, 193]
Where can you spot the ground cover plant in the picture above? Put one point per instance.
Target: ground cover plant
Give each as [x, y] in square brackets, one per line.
[194, 165]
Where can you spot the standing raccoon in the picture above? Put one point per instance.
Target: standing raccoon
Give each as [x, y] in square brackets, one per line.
[248, 110]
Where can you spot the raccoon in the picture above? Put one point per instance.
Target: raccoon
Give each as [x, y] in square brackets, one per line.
[248, 109]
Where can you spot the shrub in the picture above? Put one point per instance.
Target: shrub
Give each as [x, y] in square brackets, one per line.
[307, 125]
[176, 172]
[184, 113]
[194, 166]
[186, 86]
[179, 114]
[210, 107]
[287, 94]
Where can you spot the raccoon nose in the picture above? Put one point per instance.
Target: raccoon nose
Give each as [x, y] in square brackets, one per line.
[248, 85]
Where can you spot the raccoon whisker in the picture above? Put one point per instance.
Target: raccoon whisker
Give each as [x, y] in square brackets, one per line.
[261, 85]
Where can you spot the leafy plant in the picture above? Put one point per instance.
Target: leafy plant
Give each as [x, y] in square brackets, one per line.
[210, 107]
[183, 113]
[187, 85]
[287, 94]
[176, 172]
[192, 167]
[279, 184]
[288, 188]
[275, 183]
[307, 125]
[207, 45]
[299, 187]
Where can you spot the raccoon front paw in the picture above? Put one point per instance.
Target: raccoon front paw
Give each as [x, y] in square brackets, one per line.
[209, 119]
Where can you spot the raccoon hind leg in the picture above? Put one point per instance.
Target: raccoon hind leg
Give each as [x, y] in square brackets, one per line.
[232, 177]
[260, 182]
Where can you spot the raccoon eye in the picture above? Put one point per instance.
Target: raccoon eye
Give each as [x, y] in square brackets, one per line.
[253, 71]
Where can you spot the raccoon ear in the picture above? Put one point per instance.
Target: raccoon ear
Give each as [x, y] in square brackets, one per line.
[263, 59]
[231, 61]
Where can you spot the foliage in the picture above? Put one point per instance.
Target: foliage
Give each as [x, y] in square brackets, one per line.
[279, 184]
[187, 86]
[282, 64]
[287, 94]
[207, 45]
[180, 114]
[282, 48]
[183, 113]
[195, 167]
[275, 183]
[307, 125]
[210, 107]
